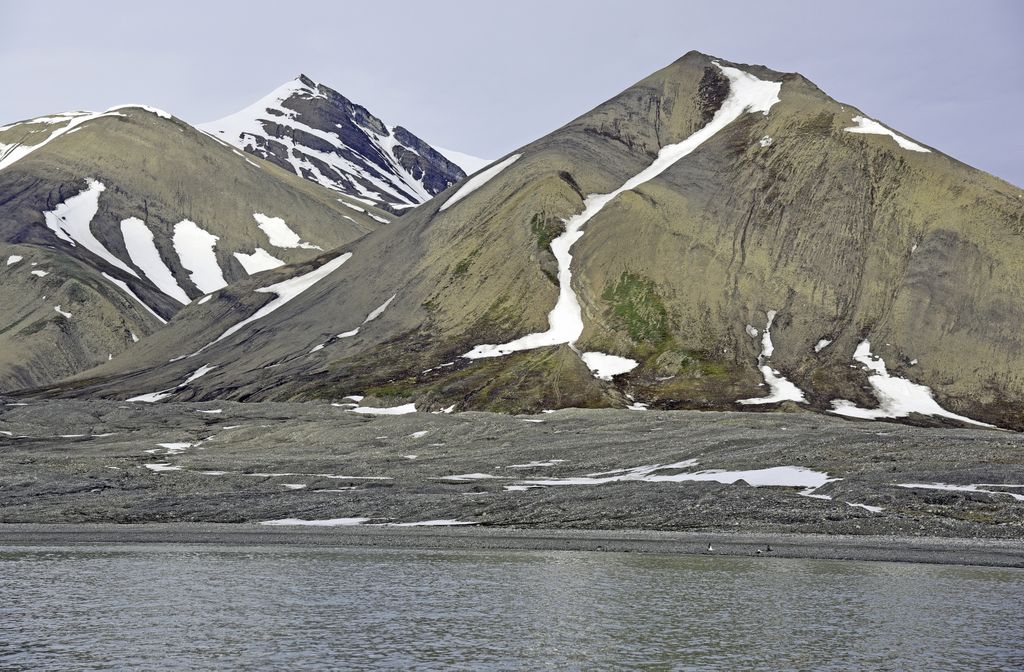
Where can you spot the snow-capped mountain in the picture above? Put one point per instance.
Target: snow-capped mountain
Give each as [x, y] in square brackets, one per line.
[111, 222]
[314, 131]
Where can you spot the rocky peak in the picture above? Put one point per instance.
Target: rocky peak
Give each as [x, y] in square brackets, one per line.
[314, 131]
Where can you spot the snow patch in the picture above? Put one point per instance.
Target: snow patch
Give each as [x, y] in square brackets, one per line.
[64, 313]
[13, 259]
[195, 249]
[779, 388]
[154, 396]
[329, 522]
[865, 125]
[70, 221]
[138, 240]
[280, 234]
[374, 314]
[822, 344]
[866, 507]
[964, 488]
[785, 476]
[197, 374]
[175, 448]
[148, 108]
[286, 290]
[536, 463]
[379, 310]
[477, 181]
[162, 466]
[605, 367]
[897, 397]
[258, 261]
[389, 410]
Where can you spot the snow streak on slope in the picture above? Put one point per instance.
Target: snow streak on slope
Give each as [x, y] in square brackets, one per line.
[148, 108]
[123, 286]
[280, 234]
[779, 388]
[258, 261]
[897, 397]
[865, 125]
[70, 221]
[379, 310]
[286, 290]
[477, 181]
[138, 240]
[195, 249]
[746, 94]
[374, 314]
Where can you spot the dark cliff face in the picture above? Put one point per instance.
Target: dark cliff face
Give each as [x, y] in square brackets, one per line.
[314, 131]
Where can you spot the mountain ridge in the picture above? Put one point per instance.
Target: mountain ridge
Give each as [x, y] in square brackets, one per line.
[316, 132]
[110, 218]
[793, 244]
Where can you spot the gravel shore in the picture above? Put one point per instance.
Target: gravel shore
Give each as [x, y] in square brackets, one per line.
[563, 473]
[933, 550]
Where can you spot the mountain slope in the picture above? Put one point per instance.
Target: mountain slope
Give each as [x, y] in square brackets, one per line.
[120, 218]
[638, 256]
[315, 132]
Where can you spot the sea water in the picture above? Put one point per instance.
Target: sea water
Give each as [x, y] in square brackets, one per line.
[173, 607]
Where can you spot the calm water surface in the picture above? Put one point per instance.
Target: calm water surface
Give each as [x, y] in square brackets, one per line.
[191, 607]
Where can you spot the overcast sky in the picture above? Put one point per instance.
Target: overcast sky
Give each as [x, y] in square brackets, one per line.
[485, 77]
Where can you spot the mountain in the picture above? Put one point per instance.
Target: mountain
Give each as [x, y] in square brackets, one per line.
[317, 133]
[111, 222]
[718, 235]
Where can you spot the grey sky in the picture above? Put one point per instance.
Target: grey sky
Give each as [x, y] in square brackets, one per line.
[486, 77]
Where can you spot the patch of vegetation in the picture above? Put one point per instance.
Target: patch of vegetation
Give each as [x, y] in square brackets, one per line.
[699, 364]
[637, 308]
[545, 229]
[462, 267]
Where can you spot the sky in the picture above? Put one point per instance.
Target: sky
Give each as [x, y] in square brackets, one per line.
[484, 77]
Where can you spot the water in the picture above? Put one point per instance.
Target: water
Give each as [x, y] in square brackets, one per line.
[193, 607]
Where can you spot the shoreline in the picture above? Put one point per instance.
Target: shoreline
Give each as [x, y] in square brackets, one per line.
[873, 548]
